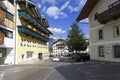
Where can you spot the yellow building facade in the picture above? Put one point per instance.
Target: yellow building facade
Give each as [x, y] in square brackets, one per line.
[32, 35]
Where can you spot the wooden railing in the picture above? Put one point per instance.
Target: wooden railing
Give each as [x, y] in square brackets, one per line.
[112, 13]
[2, 15]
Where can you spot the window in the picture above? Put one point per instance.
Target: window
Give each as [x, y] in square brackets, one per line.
[7, 33]
[29, 54]
[28, 43]
[96, 16]
[23, 42]
[117, 31]
[23, 57]
[1, 30]
[34, 44]
[9, 16]
[101, 51]
[117, 51]
[100, 34]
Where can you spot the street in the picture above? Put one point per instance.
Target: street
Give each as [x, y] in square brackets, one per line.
[47, 70]
[63, 70]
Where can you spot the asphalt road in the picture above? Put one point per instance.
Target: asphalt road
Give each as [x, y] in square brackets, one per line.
[46, 70]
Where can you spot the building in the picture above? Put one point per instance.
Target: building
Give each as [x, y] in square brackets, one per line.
[7, 32]
[60, 48]
[88, 47]
[104, 18]
[32, 35]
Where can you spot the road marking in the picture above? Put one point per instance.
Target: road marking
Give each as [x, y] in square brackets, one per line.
[49, 75]
[18, 70]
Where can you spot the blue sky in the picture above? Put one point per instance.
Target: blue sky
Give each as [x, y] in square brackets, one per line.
[61, 14]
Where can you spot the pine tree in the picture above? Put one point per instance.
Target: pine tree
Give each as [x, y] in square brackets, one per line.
[75, 40]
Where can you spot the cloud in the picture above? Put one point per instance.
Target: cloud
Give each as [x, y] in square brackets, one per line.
[88, 36]
[39, 5]
[54, 37]
[65, 5]
[84, 21]
[75, 9]
[78, 7]
[55, 12]
[57, 33]
[82, 2]
[57, 30]
[49, 1]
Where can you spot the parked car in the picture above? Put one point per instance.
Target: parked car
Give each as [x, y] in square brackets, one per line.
[83, 57]
[55, 59]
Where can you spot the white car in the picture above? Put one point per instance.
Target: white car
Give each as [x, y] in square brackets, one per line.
[56, 59]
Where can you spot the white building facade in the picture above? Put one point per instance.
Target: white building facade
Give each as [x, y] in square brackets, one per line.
[104, 19]
[7, 32]
[60, 48]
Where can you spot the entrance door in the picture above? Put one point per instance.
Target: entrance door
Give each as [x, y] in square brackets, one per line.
[40, 56]
[2, 55]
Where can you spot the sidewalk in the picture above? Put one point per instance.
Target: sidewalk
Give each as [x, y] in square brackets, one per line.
[100, 70]
[4, 67]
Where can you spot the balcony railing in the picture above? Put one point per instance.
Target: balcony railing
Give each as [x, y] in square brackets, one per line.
[27, 16]
[112, 13]
[26, 30]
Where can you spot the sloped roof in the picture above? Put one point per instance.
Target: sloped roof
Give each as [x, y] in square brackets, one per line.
[59, 40]
[88, 7]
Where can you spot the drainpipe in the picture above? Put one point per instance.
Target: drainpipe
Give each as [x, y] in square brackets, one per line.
[16, 18]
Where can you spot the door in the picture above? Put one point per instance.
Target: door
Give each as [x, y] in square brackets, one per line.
[40, 56]
[2, 55]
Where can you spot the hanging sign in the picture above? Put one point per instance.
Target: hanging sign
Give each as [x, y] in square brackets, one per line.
[108, 50]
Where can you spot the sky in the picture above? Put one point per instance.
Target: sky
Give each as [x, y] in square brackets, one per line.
[61, 14]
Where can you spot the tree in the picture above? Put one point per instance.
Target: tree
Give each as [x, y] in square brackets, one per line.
[75, 39]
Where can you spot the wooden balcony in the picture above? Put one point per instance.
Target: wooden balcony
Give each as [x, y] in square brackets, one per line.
[2, 15]
[32, 33]
[1, 38]
[112, 13]
[60, 46]
[28, 17]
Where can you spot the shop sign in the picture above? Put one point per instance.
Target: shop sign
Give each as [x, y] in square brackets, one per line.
[108, 50]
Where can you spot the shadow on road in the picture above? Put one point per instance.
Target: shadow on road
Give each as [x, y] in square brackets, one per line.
[70, 71]
[90, 70]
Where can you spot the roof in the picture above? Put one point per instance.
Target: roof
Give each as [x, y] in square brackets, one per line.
[90, 4]
[59, 40]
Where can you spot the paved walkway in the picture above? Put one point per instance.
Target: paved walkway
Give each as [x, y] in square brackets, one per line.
[4, 67]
